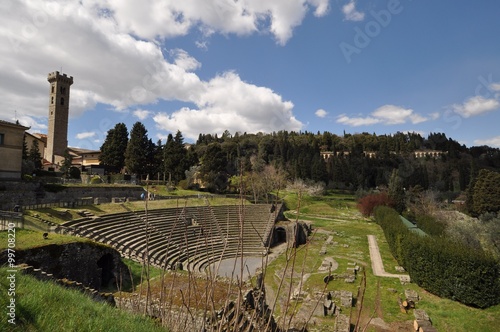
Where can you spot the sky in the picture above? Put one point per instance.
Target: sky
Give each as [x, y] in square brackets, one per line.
[252, 66]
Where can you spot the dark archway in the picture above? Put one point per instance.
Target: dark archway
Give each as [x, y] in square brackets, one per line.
[106, 263]
[279, 235]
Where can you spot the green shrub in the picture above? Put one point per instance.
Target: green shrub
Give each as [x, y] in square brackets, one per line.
[444, 267]
[95, 180]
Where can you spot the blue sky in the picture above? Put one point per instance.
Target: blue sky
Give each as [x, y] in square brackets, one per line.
[248, 66]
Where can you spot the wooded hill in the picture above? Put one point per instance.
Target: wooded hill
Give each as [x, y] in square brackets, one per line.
[350, 161]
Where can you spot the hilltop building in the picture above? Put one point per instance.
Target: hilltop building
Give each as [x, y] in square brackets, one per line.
[11, 149]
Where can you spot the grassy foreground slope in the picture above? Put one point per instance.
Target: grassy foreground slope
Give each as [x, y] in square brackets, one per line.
[44, 306]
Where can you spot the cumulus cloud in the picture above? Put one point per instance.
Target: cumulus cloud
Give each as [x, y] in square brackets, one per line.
[495, 86]
[387, 114]
[321, 113]
[169, 18]
[141, 114]
[351, 13]
[493, 141]
[35, 124]
[475, 106]
[115, 52]
[84, 135]
[250, 109]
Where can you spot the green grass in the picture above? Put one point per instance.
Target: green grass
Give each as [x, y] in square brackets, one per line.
[26, 239]
[337, 213]
[69, 310]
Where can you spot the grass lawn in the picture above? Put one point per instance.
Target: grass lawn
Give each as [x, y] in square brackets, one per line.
[69, 310]
[336, 215]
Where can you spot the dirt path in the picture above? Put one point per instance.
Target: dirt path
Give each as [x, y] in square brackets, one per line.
[377, 265]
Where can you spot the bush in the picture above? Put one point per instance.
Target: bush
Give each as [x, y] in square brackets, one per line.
[368, 203]
[444, 267]
[95, 180]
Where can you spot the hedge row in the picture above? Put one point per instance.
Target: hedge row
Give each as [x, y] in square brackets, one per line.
[442, 267]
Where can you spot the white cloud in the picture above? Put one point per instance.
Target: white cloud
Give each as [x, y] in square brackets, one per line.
[321, 113]
[250, 109]
[475, 106]
[493, 141]
[495, 86]
[84, 135]
[350, 12]
[141, 114]
[35, 124]
[161, 19]
[113, 49]
[357, 121]
[387, 114]
[184, 60]
[434, 116]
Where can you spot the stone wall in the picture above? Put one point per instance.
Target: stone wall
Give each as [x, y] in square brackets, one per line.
[96, 266]
[30, 193]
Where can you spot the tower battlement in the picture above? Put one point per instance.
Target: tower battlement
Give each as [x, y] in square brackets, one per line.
[57, 77]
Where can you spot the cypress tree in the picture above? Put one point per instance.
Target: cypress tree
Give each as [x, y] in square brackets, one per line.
[136, 154]
[113, 147]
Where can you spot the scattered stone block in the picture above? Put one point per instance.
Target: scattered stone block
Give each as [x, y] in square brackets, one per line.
[400, 269]
[342, 323]
[404, 280]
[411, 295]
[350, 279]
[420, 315]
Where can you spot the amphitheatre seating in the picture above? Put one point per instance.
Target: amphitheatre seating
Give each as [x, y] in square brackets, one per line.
[192, 237]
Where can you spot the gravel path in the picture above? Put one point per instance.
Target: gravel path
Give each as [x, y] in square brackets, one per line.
[377, 265]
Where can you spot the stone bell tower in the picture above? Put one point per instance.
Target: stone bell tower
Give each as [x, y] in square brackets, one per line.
[57, 136]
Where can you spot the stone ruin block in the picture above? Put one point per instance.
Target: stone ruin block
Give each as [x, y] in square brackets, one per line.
[411, 295]
[404, 280]
[346, 299]
[350, 279]
[342, 323]
[400, 269]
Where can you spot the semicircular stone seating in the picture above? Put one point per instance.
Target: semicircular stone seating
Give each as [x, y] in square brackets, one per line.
[190, 238]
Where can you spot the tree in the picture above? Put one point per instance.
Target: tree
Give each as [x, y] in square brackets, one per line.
[35, 156]
[397, 191]
[486, 194]
[136, 154]
[113, 147]
[175, 161]
[66, 164]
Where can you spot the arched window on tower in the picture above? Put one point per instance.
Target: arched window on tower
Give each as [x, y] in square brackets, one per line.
[52, 91]
[52, 100]
[62, 101]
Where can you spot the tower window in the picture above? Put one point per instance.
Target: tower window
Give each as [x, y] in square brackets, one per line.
[52, 90]
[63, 90]
[1, 138]
[52, 100]
[62, 101]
